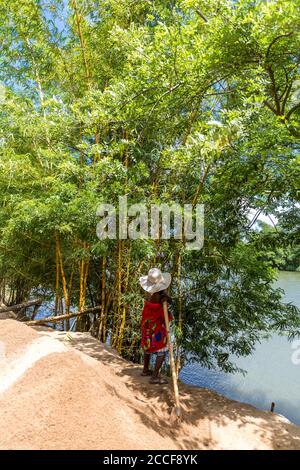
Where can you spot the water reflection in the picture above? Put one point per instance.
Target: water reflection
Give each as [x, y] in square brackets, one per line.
[271, 376]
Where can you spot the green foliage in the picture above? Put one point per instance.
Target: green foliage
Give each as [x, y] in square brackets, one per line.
[186, 101]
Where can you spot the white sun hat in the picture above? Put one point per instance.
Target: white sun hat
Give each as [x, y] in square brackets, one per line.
[155, 281]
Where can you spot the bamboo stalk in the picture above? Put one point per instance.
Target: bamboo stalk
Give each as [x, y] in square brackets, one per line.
[119, 291]
[107, 305]
[103, 292]
[122, 327]
[82, 42]
[62, 272]
[83, 275]
[87, 263]
[56, 276]
[180, 319]
[172, 363]
[81, 269]
[69, 299]
[64, 281]
[39, 86]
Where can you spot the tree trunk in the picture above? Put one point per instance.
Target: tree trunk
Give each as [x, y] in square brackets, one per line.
[29, 303]
[58, 318]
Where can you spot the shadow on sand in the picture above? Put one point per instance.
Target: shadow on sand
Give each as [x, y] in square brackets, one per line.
[203, 411]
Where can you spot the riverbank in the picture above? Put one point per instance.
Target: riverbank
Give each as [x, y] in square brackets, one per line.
[61, 391]
[272, 375]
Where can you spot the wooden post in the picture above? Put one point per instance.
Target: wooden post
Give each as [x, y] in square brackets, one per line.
[172, 363]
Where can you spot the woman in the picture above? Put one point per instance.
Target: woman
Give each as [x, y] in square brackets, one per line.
[154, 333]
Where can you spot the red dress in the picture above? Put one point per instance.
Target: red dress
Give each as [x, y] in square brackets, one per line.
[154, 333]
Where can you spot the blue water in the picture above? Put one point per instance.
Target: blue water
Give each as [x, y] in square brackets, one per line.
[271, 374]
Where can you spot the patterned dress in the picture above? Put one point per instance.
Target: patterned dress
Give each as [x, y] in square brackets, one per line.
[154, 333]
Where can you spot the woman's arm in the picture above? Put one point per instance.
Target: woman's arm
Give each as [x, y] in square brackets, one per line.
[164, 297]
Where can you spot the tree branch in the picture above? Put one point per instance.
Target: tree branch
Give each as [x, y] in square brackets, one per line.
[201, 15]
[274, 89]
[275, 40]
[270, 106]
[21, 306]
[286, 94]
[292, 110]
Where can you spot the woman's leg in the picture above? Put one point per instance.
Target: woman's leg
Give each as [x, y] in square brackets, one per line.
[156, 379]
[158, 363]
[160, 357]
[146, 370]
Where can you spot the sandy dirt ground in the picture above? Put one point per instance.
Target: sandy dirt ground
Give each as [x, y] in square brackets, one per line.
[61, 391]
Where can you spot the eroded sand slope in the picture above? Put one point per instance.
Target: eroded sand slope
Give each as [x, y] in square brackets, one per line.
[59, 392]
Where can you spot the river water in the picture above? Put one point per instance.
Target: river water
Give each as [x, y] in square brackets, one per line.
[271, 376]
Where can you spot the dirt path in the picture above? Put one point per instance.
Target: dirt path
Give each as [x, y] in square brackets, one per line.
[69, 392]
